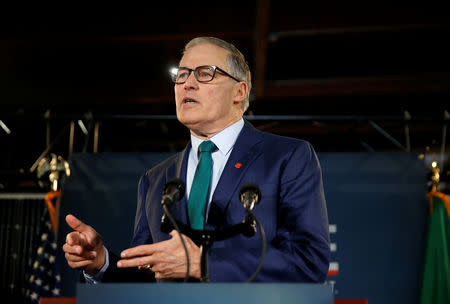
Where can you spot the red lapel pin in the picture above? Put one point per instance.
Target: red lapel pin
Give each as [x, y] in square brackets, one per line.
[238, 165]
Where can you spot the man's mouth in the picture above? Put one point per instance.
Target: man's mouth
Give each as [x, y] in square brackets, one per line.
[189, 100]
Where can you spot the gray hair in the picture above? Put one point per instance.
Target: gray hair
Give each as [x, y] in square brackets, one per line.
[237, 66]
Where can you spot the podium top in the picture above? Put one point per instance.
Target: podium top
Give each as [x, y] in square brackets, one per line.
[217, 293]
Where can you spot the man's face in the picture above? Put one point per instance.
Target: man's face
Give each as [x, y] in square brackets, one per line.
[207, 108]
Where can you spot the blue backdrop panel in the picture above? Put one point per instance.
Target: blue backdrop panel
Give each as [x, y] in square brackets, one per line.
[376, 201]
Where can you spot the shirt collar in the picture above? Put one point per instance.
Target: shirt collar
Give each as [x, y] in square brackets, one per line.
[224, 140]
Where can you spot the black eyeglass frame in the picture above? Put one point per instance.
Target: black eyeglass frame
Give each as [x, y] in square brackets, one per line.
[215, 68]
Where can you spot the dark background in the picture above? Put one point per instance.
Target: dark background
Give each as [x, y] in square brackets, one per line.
[349, 77]
[342, 76]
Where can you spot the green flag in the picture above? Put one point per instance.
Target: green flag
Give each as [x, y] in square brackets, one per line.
[436, 276]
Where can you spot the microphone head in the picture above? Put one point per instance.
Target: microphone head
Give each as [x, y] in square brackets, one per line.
[174, 189]
[249, 195]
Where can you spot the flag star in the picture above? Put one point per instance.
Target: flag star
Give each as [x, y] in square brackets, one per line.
[35, 264]
[58, 278]
[38, 282]
[55, 291]
[40, 250]
[44, 236]
[42, 268]
[48, 224]
[47, 287]
[34, 296]
[50, 273]
[54, 245]
[51, 259]
[46, 255]
[31, 278]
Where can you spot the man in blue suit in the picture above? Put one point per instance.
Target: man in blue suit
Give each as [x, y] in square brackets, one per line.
[212, 86]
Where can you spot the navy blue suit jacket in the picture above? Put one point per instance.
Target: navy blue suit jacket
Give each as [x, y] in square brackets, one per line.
[292, 210]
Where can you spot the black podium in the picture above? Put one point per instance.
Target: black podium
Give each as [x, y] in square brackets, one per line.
[208, 293]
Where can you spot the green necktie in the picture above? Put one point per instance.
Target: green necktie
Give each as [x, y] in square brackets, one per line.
[200, 186]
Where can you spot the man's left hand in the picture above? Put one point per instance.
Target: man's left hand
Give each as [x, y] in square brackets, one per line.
[167, 258]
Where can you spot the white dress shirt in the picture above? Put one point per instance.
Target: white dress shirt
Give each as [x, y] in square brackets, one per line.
[224, 141]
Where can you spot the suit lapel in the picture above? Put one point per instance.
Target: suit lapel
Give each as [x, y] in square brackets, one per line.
[179, 170]
[246, 149]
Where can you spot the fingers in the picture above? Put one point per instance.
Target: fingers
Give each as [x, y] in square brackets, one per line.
[139, 255]
[80, 265]
[73, 238]
[140, 250]
[77, 239]
[76, 260]
[84, 247]
[135, 262]
[83, 235]
[167, 258]
[76, 224]
[79, 251]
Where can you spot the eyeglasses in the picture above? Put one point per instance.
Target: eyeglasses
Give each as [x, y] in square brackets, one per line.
[203, 73]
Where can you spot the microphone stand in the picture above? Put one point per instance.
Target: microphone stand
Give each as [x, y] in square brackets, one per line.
[206, 243]
[174, 224]
[247, 228]
[205, 238]
[263, 245]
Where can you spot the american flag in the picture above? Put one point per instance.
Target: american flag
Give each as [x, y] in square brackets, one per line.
[43, 279]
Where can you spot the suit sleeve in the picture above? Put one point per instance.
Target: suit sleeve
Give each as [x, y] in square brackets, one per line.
[299, 249]
[142, 233]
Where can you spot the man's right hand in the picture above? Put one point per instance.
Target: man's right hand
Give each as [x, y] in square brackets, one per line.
[84, 247]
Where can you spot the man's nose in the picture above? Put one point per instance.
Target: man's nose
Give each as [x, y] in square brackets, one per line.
[191, 81]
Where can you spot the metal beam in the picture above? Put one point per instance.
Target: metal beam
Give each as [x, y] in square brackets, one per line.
[351, 86]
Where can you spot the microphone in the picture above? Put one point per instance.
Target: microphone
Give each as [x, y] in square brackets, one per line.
[250, 195]
[173, 192]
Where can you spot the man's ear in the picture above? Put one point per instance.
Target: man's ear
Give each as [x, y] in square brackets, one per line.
[240, 93]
